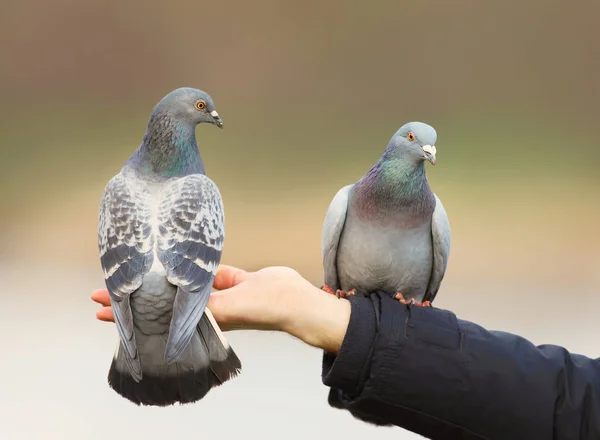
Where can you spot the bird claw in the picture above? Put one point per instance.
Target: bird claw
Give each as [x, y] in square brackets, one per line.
[411, 301]
[342, 294]
[339, 293]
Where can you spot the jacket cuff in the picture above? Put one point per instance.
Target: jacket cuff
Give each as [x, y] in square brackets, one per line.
[347, 371]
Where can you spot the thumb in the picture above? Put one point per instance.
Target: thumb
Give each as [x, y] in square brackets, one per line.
[232, 306]
[229, 276]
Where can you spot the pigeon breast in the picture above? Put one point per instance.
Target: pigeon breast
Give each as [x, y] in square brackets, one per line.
[372, 257]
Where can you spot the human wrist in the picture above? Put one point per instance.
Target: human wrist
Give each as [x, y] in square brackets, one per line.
[317, 318]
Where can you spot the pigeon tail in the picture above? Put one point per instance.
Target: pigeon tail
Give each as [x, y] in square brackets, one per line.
[208, 361]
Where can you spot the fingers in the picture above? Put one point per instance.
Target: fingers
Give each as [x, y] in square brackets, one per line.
[105, 314]
[229, 276]
[101, 296]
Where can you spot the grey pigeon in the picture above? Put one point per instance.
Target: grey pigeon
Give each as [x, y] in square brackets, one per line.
[389, 232]
[160, 235]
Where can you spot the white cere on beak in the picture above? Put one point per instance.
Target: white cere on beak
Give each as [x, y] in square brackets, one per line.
[430, 149]
[214, 114]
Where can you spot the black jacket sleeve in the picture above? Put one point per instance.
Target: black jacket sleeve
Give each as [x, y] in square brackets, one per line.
[427, 371]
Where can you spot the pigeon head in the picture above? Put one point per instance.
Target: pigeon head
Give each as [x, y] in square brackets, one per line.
[190, 106]
[414, 141]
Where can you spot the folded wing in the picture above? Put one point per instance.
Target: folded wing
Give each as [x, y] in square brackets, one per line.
[440, 234]
[126, 255]
[332, 231]
[190, 243]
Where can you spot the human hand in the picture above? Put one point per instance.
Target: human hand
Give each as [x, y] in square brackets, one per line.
[274, 298]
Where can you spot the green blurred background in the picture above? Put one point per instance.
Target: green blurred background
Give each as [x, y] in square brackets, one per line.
[310, 93]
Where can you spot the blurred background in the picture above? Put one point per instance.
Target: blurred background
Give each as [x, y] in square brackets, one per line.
[310, 94]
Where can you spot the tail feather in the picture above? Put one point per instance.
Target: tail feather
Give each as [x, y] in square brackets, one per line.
[224, 363]
[208, 361]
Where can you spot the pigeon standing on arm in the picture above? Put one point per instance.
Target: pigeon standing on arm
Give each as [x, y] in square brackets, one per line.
[160, 236]
[389, 232]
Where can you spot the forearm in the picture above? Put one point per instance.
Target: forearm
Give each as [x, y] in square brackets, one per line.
[436, 375]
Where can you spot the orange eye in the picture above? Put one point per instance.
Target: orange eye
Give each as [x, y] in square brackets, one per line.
[200, 105]
[410, 136]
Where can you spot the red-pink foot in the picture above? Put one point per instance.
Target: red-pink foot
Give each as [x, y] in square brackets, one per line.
[326, 288]
[342, 294]
[411, 301]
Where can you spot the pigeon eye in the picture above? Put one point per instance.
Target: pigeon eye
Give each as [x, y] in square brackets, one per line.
[200, 105]
[410, 136]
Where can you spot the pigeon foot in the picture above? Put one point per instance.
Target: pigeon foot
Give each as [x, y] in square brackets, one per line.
[411, 301]
[326, 288]
[342, 294]
[339, 293]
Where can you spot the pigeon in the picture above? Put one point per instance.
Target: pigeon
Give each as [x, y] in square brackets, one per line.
[389, 232]
[160, 237]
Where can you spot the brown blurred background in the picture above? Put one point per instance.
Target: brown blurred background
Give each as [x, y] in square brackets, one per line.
[310, 94]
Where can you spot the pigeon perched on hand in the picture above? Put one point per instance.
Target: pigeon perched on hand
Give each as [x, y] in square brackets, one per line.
[160, 235]
[389, 232]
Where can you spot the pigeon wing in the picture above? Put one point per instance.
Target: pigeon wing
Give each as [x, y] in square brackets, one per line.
[190, 243]
[332, 231]
[440, 234]
[126, 254]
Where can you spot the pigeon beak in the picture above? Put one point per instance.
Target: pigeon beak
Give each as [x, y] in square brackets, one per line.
[217, 118]
[429, 151]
